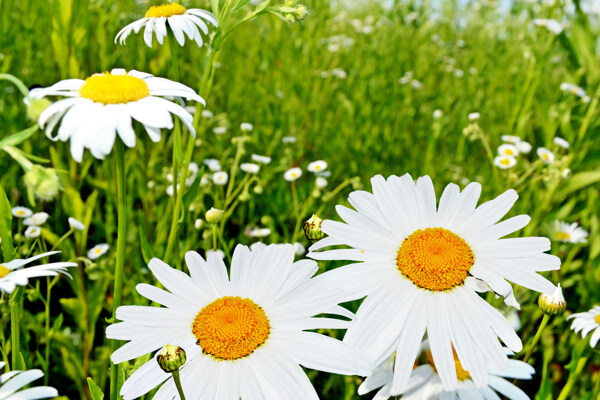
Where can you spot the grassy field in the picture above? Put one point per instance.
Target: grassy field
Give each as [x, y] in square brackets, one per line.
[367, 89]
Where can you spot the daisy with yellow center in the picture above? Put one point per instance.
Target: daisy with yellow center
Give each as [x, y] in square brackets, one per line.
[508, 150]
[180, 20]
[421, 265]
[505, 162]
[317, 166]
[568, 233]
[13, 273]
[292, 174]
[95, 110]
[425, 382]
[587, 322]
[244, 334]
[545, 155]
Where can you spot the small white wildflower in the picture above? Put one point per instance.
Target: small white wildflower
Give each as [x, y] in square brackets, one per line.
[568, 233]
[259, 232]
[220, 178]
[212, 164]
[474, 116]
[299, 248]
[292, 174]
[21, 212]
[97, 251]
[339, 73]
[510, 139]
[505, 162]
[545, 155]
[437, 114]
[261, 159]
[288, 139]
[459, 73]
[246, 127]
[198, 223]
[220, 253]
[36, 219]
[250, 168]
[220, 130]
[560, 142]
[33, 232]
[76, 224]
[207, 114]
[508, 150]
[565, 173]
[524, 147]
[317, 166]
[321, 182]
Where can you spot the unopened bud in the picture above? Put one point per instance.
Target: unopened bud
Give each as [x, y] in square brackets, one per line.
[43, 183]
[214, 216]
[36, 107]
[291, 18]
[312, 228]
[554, 303]
[171, 358]
[301, 12]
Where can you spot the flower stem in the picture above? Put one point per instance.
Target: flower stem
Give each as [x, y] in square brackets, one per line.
[15, 318]
[121, 234]
[537, 336]
[178, 384]
[564, 393]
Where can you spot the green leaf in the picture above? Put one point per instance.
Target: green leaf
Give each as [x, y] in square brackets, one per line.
[95, 389]
[19, 137]
[577, 182]
[262, 6]
[8, 251]
[146, 249]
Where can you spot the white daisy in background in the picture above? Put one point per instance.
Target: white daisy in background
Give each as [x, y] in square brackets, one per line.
[103, 105]
[573, 89]
[560, 142]
[36, 219]
[177, 17]
[425, 383]
[292, 174]
[76, 224]
[508, 150]
[523, 147]
[219, 253]
[510, 139]
[12, 273]
[321, 182]
[261, 159]
[250, 168]
[220, 178]
[474, 116]
[259, 232]
[568, 233]
[545, 155]
[12, 382]
[552, 25]
[220, 130]
[21, 212]
[317, 166]
[565, 173]
[421, 267]
[212, 164]
[97, 251]
[505, 162]
[437, 114]
[207, 114]
[33, 232]
[288, 139]
[299, 248]
[587, 322]
[245, 336]
[246, 127]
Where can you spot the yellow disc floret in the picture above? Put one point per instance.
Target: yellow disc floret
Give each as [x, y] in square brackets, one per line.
[596, 318]
[461, 373]
[114, 89]
[435, 259]
[231, 327]
[166, 10]
[3, 271]
[562, 236]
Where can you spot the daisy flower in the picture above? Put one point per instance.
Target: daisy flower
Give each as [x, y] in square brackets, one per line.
[560, 142]
[76, 224]
[259, 232]
[551, 25]
[321, 182]
[568, 233]
[246, 126]
[523, 147]
[12, 382]
[261, 159]
[425, 383]
[292, 174]
[36, 219]
[510, 139]
[97, 109]
[474, 116]
[245, 335]
[32, 232]
[12, 274]
[317, 166]
[213, 164]
[220, 130]
[573, 89]
[97, 251]
[179, 19]
[288, 139]
[250, 168]
[505, 162]
[437, 114]
[299, 248]
[587, 322]
[220, 178]
[545, 155]
[207, 114]
[421, 267]
[21, 212]
[508, 150]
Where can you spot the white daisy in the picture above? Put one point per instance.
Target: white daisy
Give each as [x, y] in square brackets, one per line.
[568, 233]
[523, 147]
[212, 164]
[250, 168]
[220, 130]
[103, 105]
[425, 383]
[510, 139]
[288, 139]
[97, 251]
[505, 162]
[36, 219]
[246, 126]
[560, 142]
[545, 155]
[76, 224]
[437, 114]
[12, 382]
[587, 322]
[33, 232]
[292, 174]
[21, 212]
[573, 89]
[220, 178]
[474, 116]
[259, 232]
[321, 182]
[317, 166]
[552, 25]
[207, 114]
[421, 268]
[508, 150]
[299, 248]
[178, 18]
[245, 335]
[12, 273]
[261, 159]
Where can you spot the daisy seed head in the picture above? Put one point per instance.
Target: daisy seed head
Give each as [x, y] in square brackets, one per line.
[554, 303]
[171, 358]
[214, 216]
[312, 228]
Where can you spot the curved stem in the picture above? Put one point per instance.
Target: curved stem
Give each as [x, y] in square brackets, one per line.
[564, 393]
[17, 82]
[537, 336]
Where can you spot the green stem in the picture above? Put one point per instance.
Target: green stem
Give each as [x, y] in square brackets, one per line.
[214, 236]
[178, 384]
[62, 239]
[121, 234]
[537, 336]
[564, 393]
[15, 318]
[17, 82]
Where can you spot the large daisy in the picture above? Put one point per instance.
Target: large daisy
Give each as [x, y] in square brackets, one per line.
[245, 336]
[12, 382]
[179, 19]
[425, 383]
[102, 106]
[421, 267]
[12, 273]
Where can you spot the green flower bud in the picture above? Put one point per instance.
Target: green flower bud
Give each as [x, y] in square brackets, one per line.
[42, 182]
[171, 358]
[301, 13]
[291, 18]
[554, 303]
[312, 228]
[36, 107]
[214, 216]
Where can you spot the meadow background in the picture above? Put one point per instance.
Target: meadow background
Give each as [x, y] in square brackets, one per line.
[356, 85]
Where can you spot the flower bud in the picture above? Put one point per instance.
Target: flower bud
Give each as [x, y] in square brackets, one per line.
[214, 216]
[554, 303]
[171, 358]
[312, 228]
[43, 183]
[301, 12]
[36, 107]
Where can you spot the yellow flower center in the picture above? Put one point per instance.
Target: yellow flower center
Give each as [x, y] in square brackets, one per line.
[20, 212]
[114, 89]
[3, 271]
[166, 10]
[435, 259]
[230, 328]
[545, 156]
[508, 152]
[596, 318]
[505, 161]
[461, 373]
[562, 236]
